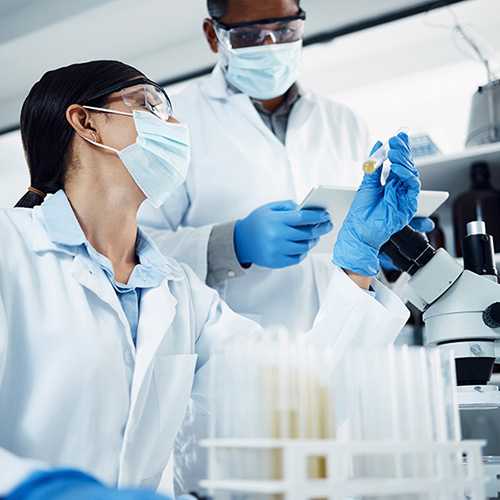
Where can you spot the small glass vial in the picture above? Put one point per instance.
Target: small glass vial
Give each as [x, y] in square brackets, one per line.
[378, 157]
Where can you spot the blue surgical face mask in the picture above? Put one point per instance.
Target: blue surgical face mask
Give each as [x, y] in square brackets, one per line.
[263, 71]
[158, 160]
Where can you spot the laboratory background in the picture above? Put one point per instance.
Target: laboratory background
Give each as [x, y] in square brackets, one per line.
[394, 62]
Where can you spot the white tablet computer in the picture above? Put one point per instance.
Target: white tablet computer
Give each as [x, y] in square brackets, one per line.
[337, 201]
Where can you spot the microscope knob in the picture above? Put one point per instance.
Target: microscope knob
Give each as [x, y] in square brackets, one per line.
[491, 315]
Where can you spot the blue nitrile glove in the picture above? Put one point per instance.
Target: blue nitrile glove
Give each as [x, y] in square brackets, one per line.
[377, 211]
[422, 224]
[68, 484]
[278, 235]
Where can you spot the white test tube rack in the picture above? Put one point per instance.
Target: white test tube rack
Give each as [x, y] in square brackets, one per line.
[445, 470]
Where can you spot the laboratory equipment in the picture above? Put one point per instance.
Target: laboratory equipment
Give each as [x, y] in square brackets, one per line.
[379, 424]
[484, 120]
[336, 200]
[378, 157]
[461, 305]
[481, 202]
[423, 145]
[461, 311]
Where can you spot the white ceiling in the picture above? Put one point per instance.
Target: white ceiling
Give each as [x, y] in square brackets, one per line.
[162, 38]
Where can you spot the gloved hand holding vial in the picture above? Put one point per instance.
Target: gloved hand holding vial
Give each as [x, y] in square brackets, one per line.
[378, 210]
[377, 158]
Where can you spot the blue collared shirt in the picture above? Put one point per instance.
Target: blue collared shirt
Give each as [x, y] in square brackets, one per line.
[63, 229]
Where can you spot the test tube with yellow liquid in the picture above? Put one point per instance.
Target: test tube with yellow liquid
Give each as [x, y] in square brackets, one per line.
[378, 157]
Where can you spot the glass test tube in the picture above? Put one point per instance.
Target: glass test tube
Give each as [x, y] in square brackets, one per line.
[378, 157]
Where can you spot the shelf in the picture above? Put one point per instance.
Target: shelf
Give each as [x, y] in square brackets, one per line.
[486, 151]
[451, 172]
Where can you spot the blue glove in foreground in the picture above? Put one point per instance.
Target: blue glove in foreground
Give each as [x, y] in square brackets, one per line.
[278, 235]
[73, 485]
[422, 224]
[377, 211]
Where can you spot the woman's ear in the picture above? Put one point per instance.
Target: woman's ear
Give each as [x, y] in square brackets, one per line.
[210, 35]
[82, 122]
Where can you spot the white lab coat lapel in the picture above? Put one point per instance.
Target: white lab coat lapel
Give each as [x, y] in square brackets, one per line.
[248, 112]
[216, 87]
[158, 309]
[86, 271]
[90, 275]
[301, 113]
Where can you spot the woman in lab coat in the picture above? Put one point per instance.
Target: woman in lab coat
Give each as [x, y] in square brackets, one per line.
[102, 339]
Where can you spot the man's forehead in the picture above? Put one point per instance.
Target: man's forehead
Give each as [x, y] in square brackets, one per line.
[240, 11]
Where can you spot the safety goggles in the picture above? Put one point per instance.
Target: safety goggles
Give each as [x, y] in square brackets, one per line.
[140, 93]
[249, 34]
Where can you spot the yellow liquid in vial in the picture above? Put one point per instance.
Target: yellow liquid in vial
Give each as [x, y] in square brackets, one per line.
[369, 166]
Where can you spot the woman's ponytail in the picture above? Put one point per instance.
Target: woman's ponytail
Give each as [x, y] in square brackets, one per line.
[32, 198]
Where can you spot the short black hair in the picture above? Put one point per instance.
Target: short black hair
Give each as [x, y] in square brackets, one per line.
[217, 9]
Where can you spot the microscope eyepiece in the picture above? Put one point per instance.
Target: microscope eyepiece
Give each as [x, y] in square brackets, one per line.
[409, 250]
[491, 315]
[478, 250]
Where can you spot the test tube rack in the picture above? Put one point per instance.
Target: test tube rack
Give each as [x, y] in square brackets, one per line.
[424, 470]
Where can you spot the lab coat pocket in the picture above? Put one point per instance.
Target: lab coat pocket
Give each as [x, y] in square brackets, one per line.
[173, 376]
[173, 379]
[158, 422]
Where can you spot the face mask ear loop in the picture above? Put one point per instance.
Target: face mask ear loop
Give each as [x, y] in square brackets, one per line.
[95, 143]
[223, 55]
[219, 40]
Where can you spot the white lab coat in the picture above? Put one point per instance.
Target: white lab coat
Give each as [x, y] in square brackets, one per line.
[238, 165]
[74, 390]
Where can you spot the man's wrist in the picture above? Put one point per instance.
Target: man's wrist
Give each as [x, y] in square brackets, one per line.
[222, 262]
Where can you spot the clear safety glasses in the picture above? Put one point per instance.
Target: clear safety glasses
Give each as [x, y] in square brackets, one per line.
[140, 93]
[250, 34]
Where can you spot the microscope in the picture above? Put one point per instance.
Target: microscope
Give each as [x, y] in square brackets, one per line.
[460, 305]
[461, 312]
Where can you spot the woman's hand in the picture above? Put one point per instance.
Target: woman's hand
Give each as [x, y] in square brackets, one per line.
[378, 211]
[69, 484]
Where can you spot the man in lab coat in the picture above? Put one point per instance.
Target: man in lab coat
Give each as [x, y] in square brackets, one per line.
[259, 142]
[258, 137]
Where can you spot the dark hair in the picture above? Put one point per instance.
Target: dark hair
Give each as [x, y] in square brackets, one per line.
[218, 8]
[45, 132]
